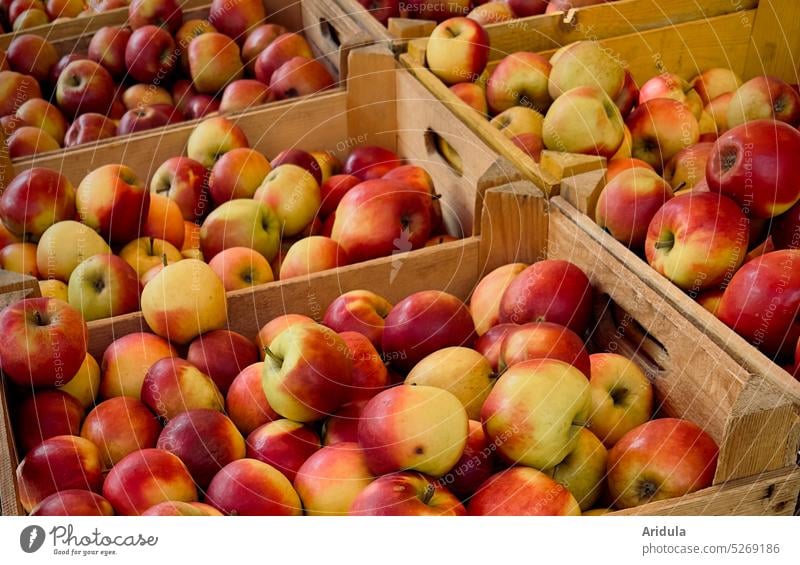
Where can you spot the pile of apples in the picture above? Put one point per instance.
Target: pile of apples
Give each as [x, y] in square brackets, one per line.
[425, 407]
[701, 177]
[482, 11]
[99, 245]
[19, 15]
[153, 71]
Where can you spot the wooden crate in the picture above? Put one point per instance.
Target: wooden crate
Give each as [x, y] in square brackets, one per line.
[755, 422]
[328, 33]
[547, 31]
[757, 41]
[331, 36]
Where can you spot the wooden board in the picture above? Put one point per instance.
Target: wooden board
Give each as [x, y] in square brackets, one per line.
[547, 31]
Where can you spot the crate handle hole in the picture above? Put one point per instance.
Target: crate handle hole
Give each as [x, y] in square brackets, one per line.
[435, 144]
[329, 32]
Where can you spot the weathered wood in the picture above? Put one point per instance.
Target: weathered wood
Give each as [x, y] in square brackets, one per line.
[15, 286]
[583, 190]
[774, 49]
[773, 494]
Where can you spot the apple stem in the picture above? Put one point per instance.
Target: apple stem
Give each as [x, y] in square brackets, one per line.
[164, 259]
[430, 490]
[664, 244]
[580, 423]
[151, 245]
[436, 197]
[38, 316]
[679, 187]
[272, 356]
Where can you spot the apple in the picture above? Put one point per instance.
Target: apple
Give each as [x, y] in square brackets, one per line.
[41, 114]
[583, 471]
[307, 372]
[32, 55]
[222, 355]
[150, 54]
[45, 414]
[214, 62]
[380, 217]
[458, 50]
[543, 340]
[751, 164]
[293, 193]
[437, 11]
[57, 464]
[710, 300]
[585, 63]
[300, 76]
[490, 344]
[107, 47]
[697, 240]
[425, 322]
[333, 190]
[177, 508]
[243, 94]
[688, 166]
[43, 340]
[64, 8]
[236, 18]
[461, 371]
[718, 110]
[205, 440]
[371, 162]
[302, 159]
[538, 407]
[27, 141]
[103, 286]
[342, 425]
[84, 86]
[331, 479]
[182, 180]
[519, 121]
[382, 10]
[583, 120]
[173, 386]
[420, 428]
[715, 82]
[312, 255]
[15, 90]
[525, 8]
[179, 316]
[405, 494]
[146, 252]
[369, 374]
[248, 487]
[241, 223]
[628, 203]
[164, 13]
[283, 444]
[237, 174]
[89, 127]
[617, 166]
[34, 200]
[241, 267]
[57, 255]
[182, 93]
[660, 128]
[73, 502]
[145, 478]
[118, 427]
[212, 138]
[485, 300]
[257, 41]
[670, 85]
[164, 221]
[521, 491]
[520, 79]
[473, 95]
[20, 258]
[127, 360]
[53, 288]
[786, 229]
[628, 96]
[246, 403]
[551, 290]
[28, 19]
[280, 50]
[762, 299]
[112, 200]
[661, 459]
[491, 13]
[622, 397]
[359, 311]
[147, 117]
[276, 326]
[764, 98]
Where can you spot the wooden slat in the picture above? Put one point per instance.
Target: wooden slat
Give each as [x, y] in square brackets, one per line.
[774, 48]
[15, 286]
[771, 494]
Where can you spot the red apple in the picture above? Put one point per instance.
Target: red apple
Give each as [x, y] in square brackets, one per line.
[283, 444]
[330, 479]
[147, 117]
[370, 162]
[752, 164]
[222, 355]
[369, 375]
[525, 8]
[342, 425]
[126, 362]
[118, 427]
[164, 13]
[145, 478]
[520, 79]
[257, 41]
[107, 47]
[214, 62]
[237, 174]
[302, 159]
[425, 322]
[785, 229]
[150, 54]
[73, 502]
[172, 386]
[43, 342]
[89, 127]
[660, 128]
[359, 311]
[43, 115]
[248, 487]
[406, 494]
[490, 344]
[484, 303]
[661, 459]
[312, 255]
[281, 50]
[762, 300]
[236, 18]
[27, 141]
[246, 403]
[458, 50]
[32, 55]
[84, 86]
[46, 414]
[764, 98]
[205, 440]
[275, 327]
[476, 465]
[15, 90]
[553, 291]
[182, 180]
[543, 340]
[243, 94]
[34, 200]
[300, 76]
[521, 491]
[333, 190]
